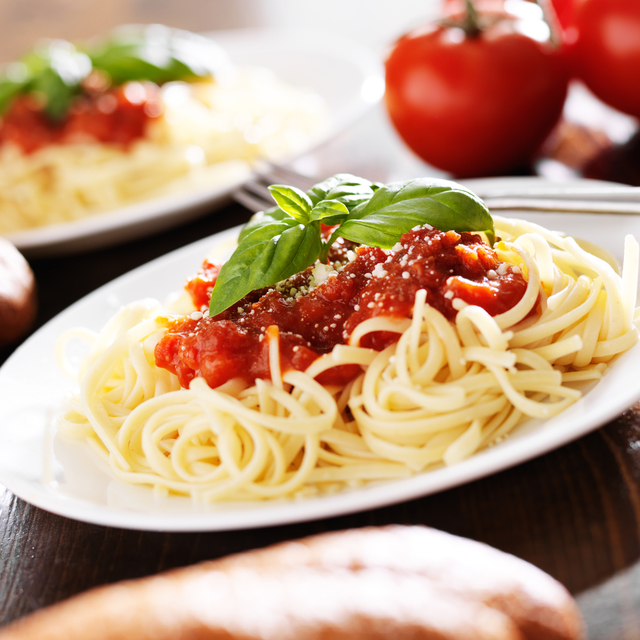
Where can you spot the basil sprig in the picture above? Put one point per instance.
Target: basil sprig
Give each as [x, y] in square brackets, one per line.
[156, 53]
[55, 70]
[286, 239]
[52, 72]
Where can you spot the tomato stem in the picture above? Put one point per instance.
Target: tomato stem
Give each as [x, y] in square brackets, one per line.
[466, 19]
[471, 23]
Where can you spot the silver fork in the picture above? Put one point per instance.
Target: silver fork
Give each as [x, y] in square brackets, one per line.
[254, 193]
[608, 199]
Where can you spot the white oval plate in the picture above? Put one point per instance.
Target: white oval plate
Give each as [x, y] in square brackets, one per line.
[348, 76]
[66, 478]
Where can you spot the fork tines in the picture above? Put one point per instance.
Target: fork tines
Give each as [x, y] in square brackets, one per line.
[254, 193]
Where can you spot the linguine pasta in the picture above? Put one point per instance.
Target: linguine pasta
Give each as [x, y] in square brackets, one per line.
[442, 392]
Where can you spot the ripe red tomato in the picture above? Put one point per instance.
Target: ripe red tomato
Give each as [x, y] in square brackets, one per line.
[605, 53]
[475, 105]
[564, 11]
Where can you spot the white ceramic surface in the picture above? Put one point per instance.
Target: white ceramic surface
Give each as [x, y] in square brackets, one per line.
[66, 478]
[348, 76]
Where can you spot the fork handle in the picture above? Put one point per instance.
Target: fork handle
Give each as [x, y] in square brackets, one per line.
[567, 206]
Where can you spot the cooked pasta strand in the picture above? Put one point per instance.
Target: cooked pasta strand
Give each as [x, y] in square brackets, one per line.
[440, 393]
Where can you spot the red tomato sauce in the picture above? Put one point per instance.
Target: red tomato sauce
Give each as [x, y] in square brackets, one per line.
[200, 286]
[116, 116]
[312, 319]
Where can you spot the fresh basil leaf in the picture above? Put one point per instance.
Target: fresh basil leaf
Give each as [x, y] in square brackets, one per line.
[316, 194]
[35, 62]
[409, 190]
[66, 61]
[351, 201]
[398, 207]
[158, 54]
[155, 53]
[255, 265]
[292, 201]
[261, 218]
[268, 228]
[320, 190]
[8, 91]
[285, 240]
[329, 212]
[200, 55]
[344, 186]
[57, 93]
[127, 63]
[55, 72]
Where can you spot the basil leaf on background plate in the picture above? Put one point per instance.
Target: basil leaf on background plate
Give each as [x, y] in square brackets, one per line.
[55, 70]
[9, 89]
[157, 53]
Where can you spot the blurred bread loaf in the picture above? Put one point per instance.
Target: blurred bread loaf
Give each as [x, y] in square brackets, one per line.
[17, 294]
[391, 583]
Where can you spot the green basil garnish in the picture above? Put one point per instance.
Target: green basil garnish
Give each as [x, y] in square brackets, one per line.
[156, 53]
[400, 206]
[286, 239]
[269, 254]
[52, 72]
[9, 89]
[292, 201]
[55, 70]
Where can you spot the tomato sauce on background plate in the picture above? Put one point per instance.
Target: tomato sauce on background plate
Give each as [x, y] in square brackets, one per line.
[116, 116]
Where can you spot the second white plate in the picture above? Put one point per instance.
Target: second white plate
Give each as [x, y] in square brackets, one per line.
[346, 75]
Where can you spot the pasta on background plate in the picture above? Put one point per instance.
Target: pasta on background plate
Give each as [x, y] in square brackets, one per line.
[147, 112]
[382, 362]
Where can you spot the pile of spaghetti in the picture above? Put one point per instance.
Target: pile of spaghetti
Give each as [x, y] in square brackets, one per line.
[442, 346]
[144, 113]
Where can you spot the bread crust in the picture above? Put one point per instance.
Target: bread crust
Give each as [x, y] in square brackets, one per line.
[400, 583]
[539, 605]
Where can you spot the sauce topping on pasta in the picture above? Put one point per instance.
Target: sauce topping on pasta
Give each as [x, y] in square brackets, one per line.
[320, 307]
[117, 116]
